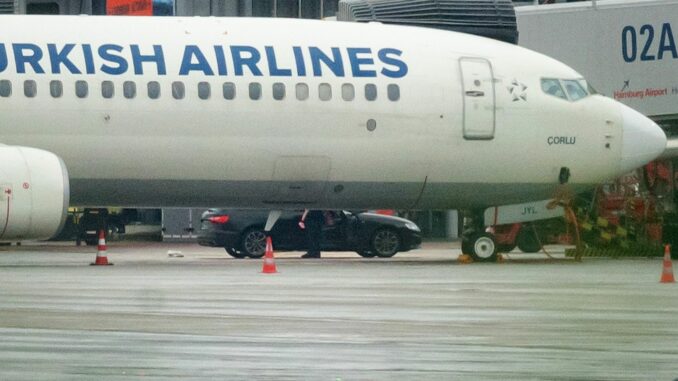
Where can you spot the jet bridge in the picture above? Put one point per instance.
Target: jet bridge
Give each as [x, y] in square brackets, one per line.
[488, 18]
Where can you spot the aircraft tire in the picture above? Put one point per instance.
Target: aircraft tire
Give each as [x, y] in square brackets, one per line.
[466, 246]
[506, 248]
[484, 248]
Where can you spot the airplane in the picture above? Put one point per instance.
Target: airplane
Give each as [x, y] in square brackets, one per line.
[287, 114]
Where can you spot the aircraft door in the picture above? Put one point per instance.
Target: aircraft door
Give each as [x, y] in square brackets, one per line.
[479, 99]
[5, 201]
[299, 179]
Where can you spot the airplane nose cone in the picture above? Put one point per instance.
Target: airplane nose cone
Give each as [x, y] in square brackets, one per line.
[643, 139]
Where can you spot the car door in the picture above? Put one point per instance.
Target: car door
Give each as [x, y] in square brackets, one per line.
[334, 236]
[288, 233]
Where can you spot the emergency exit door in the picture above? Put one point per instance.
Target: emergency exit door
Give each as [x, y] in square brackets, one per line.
[478, 97]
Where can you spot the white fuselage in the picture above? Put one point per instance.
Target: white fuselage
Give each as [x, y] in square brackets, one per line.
[453, 138]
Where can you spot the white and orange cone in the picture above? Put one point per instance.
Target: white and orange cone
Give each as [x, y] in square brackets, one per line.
[667, 268]
[269, 260]
[102, 259]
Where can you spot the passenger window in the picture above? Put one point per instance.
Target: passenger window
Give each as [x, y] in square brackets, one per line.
[5, 88]
[574, 90]
[278, 91]
[178, 90]
[81, 89]
[107, 89]
[153, 90]
[30, 88]
[393, 91]
[129, 89]
[229, 90]
[325, 91]
[371, 92]
[347, 92]
[302, 91]
[255, 91]
[56, 89]
[552, 87]
[204, 90]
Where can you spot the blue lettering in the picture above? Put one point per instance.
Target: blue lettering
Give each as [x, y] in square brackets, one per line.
[335, 64]
[188, 65]
[89, 58]
[221, 60]
[239, 62]
[58, 58]
[157, 57]
[21, 58]
[386, 57]
[299, 61]
[3, 58]
[666, 42]
[273, 68]
[649, 30]
[356, 62]
[629, 38]
[104, 53]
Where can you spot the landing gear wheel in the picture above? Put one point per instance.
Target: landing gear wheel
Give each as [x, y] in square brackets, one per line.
[385, 243]
[466, 246]
[235, 253]
[484, 248]
[527, 241]
[505, 248]
[366, 254]
[254, 243]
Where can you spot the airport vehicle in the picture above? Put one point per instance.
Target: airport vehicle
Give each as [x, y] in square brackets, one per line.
[289, 114]
[241, 232]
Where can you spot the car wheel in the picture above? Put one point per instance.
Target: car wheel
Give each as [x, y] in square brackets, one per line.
[385, 243]
[235, 253]
[366, 254]
[484, 248]
[527, 241]
[254, 243]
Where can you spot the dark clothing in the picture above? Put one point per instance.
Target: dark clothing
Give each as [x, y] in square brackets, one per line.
[314, 230]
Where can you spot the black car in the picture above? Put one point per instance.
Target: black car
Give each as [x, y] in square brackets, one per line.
[241, 233]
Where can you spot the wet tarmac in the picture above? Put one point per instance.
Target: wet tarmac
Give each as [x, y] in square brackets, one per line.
[417, 316]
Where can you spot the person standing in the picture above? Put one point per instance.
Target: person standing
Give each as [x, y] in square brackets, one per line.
[312, 222]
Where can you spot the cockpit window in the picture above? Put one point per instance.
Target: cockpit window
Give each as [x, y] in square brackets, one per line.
[568, 89]
[552, 86]
[590, 89]
[574, 90]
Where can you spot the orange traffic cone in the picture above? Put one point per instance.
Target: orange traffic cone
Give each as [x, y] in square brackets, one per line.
[102, 259]
[269, 260]
[667, 272]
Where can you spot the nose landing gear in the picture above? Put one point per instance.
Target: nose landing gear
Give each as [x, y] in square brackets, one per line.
[477, 243]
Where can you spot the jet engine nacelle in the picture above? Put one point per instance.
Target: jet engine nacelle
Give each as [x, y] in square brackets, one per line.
[34, 193]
